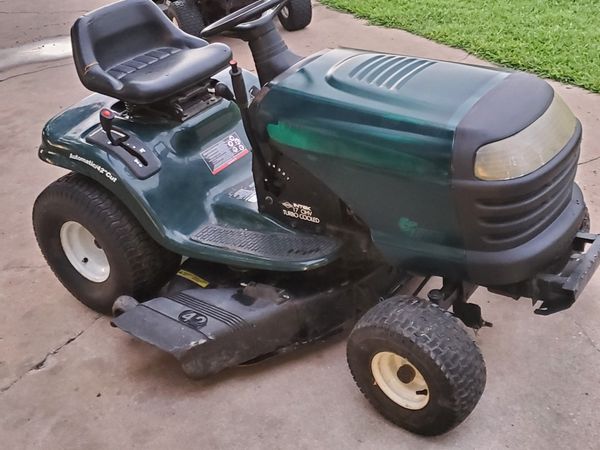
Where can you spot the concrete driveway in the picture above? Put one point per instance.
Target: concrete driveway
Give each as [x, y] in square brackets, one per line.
[69, 380]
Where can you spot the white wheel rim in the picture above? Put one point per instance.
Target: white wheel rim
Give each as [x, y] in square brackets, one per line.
[285, 12]
[83, 252]
[410, 392]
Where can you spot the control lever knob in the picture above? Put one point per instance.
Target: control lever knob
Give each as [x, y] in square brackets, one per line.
[106, 122]
[222, 90]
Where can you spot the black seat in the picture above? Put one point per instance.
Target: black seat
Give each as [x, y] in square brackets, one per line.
[131, 51]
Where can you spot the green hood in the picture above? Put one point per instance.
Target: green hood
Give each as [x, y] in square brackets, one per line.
[376, 109]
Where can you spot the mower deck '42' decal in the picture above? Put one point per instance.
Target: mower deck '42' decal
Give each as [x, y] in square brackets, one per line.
[224, 153]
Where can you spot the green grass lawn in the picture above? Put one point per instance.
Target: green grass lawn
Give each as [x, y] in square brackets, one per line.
[557, 39]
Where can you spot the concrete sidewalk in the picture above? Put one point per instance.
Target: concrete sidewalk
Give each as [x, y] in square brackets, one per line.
[69, 380]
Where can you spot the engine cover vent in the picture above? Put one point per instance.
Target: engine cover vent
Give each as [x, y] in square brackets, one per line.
[389, 72]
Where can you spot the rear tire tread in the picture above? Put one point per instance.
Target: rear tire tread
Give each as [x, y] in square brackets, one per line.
[150, 264]
[188, 16]
[299, 17]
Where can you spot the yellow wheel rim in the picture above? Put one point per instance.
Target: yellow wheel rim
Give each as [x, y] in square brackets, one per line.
[400, 380]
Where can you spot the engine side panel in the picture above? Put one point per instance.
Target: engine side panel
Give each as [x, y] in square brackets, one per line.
[378, 131]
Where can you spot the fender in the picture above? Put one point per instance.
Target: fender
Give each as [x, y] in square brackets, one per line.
[186, 192]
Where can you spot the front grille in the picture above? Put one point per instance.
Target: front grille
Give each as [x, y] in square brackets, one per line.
[508, 214]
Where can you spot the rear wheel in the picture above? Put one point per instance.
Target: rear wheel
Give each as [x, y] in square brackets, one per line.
[296, 14]
[416, 364]
[95, 247]
[186, 14]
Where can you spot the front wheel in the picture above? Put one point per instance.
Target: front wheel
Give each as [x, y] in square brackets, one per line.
[95, 247]
[296, 14]
[416, 364]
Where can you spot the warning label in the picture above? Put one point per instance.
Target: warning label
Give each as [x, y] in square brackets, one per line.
[224, 153]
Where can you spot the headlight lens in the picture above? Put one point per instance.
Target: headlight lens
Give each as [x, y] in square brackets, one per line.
[529, 149]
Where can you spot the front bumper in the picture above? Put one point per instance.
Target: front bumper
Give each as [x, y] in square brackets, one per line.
[559, 286]
[524, 262]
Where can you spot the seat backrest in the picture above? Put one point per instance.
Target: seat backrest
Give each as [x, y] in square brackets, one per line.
[117, 32]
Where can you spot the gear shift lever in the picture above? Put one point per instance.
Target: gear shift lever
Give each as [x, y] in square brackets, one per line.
[106, 120]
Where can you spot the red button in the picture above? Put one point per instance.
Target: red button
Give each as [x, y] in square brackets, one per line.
[106, 113]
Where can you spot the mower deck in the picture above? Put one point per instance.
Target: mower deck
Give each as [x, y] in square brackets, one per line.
[210, 329]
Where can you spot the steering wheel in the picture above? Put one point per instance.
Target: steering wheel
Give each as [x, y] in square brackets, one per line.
[242, 15]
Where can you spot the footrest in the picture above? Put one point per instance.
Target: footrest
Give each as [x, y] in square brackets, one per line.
[277, 246]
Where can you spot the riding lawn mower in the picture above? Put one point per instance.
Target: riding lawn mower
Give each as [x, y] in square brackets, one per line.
[226, 217]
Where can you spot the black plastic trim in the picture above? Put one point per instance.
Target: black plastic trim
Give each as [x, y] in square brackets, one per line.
[526, 261]
[560, 285]
[142, 162]
[504, 214]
